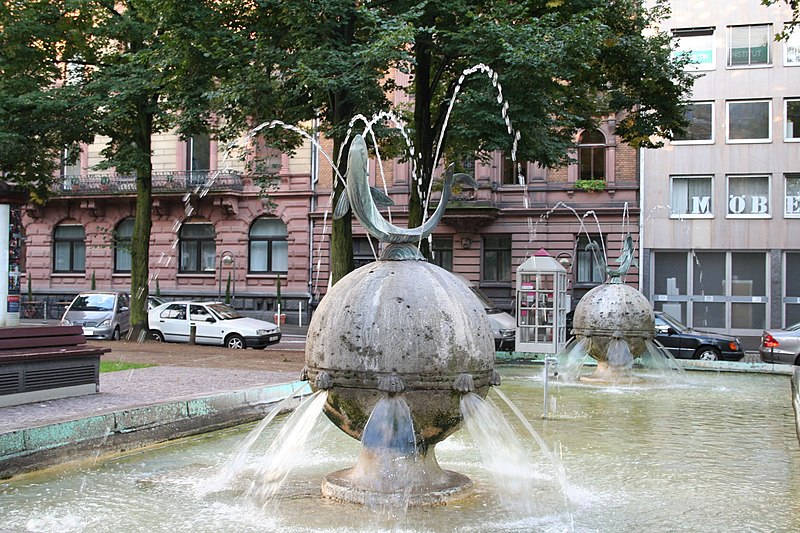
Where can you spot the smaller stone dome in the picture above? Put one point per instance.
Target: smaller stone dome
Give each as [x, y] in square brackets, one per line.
[614, 310]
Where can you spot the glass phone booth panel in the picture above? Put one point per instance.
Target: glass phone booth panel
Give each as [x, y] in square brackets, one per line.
[541, 306]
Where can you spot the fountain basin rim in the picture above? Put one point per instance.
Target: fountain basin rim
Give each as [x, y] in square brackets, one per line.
[413, 381]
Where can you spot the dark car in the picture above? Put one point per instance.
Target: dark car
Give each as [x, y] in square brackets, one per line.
[781, 345]
[686, 343]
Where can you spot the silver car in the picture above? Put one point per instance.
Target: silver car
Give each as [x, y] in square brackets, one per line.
[102, 314]
[781, 345]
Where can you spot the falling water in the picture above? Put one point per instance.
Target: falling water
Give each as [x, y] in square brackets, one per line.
[576, 356]
[658, 358]
[516, 478]
[286, 449]
[619, 354]
[235, 465]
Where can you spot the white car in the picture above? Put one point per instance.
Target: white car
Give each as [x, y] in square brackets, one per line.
[214, 323]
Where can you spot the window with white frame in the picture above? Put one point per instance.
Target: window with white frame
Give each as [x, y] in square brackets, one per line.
[700, 116]
[198, 248]
[748, 46]
[690, 196]
[592, 155]
[588, 263]
[69, 248]
[748, 197]
[698, 45]
[791, 298]
[269, 246]
[792, 205]
[791, 48]
[749, 121]
[791, 117]
[123, 242]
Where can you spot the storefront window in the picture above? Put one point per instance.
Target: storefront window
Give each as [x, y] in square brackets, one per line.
[690, 196]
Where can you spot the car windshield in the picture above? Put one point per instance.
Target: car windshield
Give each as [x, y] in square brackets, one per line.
[671, 321]
[488, 305]
[93, 302]
[224, 312]
[794, 327]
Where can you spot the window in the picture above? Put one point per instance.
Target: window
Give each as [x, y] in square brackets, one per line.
[791, 118]
[269, 246]
[442, 248]
[749, 45]
[123, 241]
[748, 196]
[198, 158]
[588, 262]
[792, 209]
[198, 248]
[701, 123]
[791, 311]
[791, 48]
[690, 196]
[69, 248]
[512, 171]
[749, 121]
[362, 251]
[592, 155]
[497, 258]
[698, 44]
[725, 290]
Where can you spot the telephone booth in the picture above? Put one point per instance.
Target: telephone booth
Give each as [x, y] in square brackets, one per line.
[542, 304]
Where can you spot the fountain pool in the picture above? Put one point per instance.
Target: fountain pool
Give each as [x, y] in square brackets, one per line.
[718, 453]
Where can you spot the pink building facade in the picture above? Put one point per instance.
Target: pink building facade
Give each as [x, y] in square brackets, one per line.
[211, 224]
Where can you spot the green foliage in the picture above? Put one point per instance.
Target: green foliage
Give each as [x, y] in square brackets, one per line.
[116, 366]
[590, 185]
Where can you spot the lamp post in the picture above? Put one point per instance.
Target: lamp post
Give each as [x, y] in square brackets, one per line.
[227, 258]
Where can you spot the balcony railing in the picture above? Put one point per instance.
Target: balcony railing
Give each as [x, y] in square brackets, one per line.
[163, 182]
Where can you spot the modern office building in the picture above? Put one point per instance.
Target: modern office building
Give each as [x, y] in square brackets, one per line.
[721, 204]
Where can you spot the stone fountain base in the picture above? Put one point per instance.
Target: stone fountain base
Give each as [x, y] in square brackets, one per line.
[382, 477]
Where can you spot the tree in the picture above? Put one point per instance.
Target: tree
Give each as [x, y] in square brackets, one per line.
[307, 60]
[562, 66]
[74, 69]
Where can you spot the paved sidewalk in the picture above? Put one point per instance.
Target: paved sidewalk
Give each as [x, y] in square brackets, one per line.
[192, 389]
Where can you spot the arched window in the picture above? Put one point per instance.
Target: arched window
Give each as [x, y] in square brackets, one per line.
[123, 241]
[198, 248]
[592, 155]
[269, 246]
[69, 248]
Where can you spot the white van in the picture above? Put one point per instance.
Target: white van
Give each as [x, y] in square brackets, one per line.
[504, 326]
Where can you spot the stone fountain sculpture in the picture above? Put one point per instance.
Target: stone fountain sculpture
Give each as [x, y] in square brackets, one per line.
[395, 344]
[615, 320]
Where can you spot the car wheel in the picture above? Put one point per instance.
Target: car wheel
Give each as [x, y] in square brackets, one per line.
[156, 335]
[707, 353]
[115, 336]
[235, 342]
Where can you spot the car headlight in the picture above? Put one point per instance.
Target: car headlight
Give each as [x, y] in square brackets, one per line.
[507, 332]
[104, 323]
[263, 331]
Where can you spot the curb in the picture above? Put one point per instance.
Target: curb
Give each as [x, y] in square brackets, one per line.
[25, 450]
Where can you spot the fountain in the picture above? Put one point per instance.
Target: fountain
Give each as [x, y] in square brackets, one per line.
[614, 324]
[396, 344]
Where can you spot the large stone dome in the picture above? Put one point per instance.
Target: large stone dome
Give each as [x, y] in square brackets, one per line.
[407, 321]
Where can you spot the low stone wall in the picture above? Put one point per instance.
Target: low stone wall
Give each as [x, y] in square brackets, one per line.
[29, 449]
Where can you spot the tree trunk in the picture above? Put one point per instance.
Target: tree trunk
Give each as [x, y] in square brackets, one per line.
[142, 226]
[342, 230]
[423, 135]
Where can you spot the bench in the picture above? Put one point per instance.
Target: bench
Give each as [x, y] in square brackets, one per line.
[46, 362]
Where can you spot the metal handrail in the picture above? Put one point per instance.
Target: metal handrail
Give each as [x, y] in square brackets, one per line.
[163, 182]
